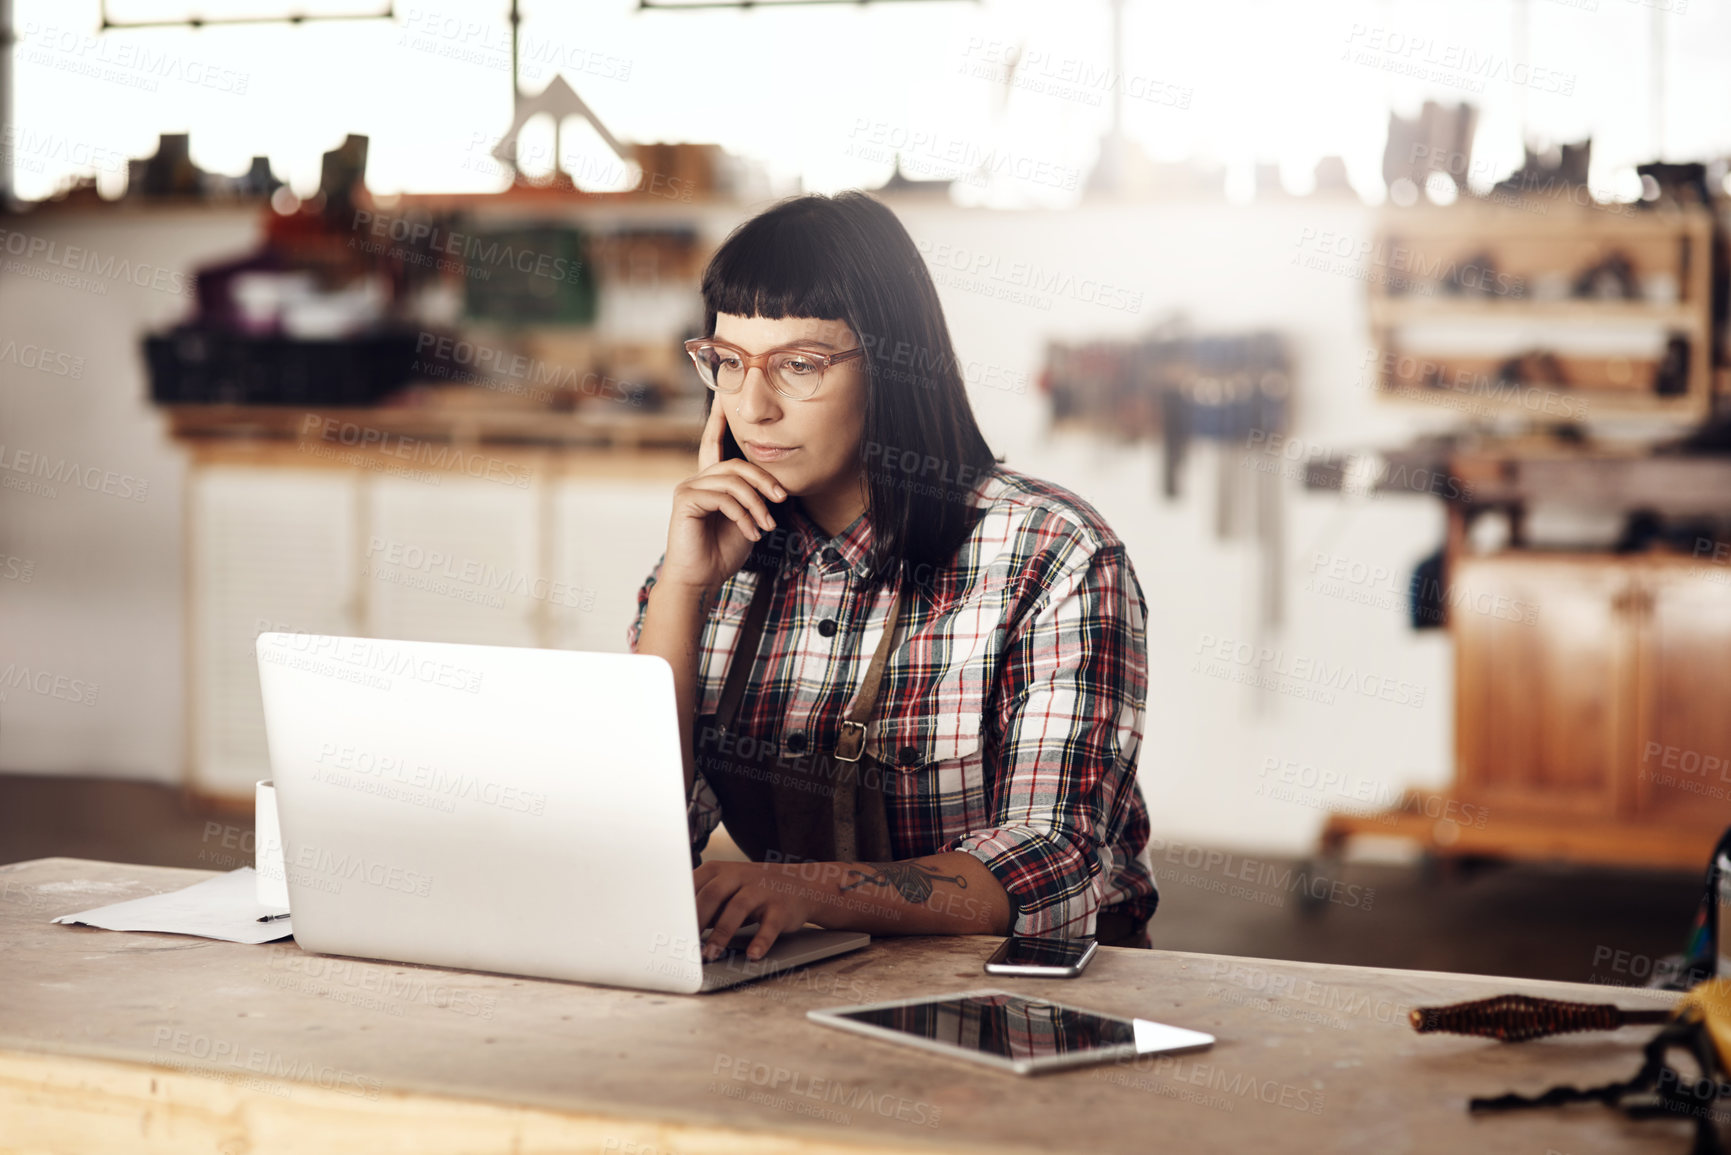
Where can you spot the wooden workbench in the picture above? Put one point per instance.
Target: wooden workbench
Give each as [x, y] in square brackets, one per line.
[161, 1043]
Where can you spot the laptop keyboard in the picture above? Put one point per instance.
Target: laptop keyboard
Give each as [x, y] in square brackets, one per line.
[733, 966]
[735, 948]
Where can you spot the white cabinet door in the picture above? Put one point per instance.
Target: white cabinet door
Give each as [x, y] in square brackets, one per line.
[272, 549]
[606, 537]
[454, 562]
[335, 552]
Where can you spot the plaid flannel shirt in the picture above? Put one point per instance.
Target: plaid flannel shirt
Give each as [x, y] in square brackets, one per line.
[1011, 711]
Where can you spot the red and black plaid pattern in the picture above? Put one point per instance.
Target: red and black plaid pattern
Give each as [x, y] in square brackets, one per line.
[1010, 718]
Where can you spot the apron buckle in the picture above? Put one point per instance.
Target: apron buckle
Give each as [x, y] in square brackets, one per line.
[851, 742]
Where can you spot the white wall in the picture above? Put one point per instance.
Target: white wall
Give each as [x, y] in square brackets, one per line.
[1207, 740]
[104, 602]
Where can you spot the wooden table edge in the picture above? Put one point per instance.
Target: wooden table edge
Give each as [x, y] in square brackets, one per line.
[76, 1105]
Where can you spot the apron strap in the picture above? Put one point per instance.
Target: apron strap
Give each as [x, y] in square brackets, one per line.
[745, 654]
[844, 792]
[844, 797]
[852, 740]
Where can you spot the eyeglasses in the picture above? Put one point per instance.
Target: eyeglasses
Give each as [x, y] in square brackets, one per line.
[794, 373]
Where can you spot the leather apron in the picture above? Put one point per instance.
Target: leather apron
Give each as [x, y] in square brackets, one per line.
[818, 806]
[821, 806]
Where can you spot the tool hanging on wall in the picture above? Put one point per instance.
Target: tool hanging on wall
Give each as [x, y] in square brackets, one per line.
[1232, 389]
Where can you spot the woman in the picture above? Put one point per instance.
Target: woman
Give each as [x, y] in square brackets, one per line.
[910, 680]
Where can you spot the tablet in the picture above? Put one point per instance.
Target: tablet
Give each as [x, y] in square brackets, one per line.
[1011, 1032]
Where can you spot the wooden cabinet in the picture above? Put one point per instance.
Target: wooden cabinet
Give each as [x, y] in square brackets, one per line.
[1540, 676]
[1681, 747]
[1591, 716]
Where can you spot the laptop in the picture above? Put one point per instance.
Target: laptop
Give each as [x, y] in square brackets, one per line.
[493, 808]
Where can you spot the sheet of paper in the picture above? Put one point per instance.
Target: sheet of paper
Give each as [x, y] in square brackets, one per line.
[225, 907]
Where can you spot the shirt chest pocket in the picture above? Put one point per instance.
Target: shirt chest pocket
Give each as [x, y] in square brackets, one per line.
[919, 741]
[952, 660]
[928, 731]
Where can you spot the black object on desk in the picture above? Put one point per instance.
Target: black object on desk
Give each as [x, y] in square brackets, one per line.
[192, 365]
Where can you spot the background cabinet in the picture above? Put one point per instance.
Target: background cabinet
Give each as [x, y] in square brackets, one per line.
[457, 562]
[588, 523]
[1591, 716]
[437, 557]
[270, 549]
[1541, 686]
[1682, 696]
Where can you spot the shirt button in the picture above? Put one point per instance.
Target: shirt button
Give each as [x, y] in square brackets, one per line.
[796, 741]
[826, 628]
[831, 555]
[908, 755]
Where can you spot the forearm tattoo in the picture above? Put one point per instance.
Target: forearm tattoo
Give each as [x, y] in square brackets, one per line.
[912, 880]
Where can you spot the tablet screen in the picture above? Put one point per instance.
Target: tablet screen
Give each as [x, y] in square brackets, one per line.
[1012, 1030]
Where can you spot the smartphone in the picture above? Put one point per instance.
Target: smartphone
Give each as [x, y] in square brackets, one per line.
[1052, 958]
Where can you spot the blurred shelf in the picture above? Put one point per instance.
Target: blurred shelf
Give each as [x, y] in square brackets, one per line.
[1506, 249]
[1414, 310]
[1549, 217]
[139, 207]
[1505, 398]
[585, 427]
[1598, 479]
[535, 198]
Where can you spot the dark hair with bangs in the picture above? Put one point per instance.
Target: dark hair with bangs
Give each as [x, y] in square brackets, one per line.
[849, 258]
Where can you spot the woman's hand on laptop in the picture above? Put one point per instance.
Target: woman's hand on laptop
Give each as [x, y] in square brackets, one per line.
[718, 513]
[951, 892]
[731, 894]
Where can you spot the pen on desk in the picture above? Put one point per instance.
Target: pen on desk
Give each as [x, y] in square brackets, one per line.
[272, 917]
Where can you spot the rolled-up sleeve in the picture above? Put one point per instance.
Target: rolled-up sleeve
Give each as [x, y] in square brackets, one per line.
[702, 809]
[1069, 725]
[635, 630]
[702, 814]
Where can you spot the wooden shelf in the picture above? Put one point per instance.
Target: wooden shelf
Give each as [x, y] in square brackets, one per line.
[1512, 247]
[1489, 220]
[1584, 402]
[586, 426]
[1406, 310]
[1678, 485]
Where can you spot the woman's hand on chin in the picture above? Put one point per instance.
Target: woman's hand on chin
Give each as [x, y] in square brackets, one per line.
[718, 512]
